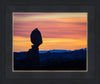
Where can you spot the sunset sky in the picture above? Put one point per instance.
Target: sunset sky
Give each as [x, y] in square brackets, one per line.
[61, 30]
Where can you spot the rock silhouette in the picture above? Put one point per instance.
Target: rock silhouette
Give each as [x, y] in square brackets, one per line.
[36, 37]
[33, 53]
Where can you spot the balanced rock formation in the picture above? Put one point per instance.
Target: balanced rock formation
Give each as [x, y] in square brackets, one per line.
[33, 53]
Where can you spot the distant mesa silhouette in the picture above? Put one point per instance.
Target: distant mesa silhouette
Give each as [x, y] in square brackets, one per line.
[33, 53]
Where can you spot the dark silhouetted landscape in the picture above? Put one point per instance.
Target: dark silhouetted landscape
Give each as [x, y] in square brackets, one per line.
[52, 60]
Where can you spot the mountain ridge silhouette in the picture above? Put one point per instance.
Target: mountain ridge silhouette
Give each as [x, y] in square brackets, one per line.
[55, 50]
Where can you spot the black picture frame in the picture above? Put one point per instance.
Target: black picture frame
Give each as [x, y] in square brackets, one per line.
[9, 77]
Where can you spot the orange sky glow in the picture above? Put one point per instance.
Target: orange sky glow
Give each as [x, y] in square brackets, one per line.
[61, 30]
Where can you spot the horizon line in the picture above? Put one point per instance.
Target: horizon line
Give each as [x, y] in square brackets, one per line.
[56, 49]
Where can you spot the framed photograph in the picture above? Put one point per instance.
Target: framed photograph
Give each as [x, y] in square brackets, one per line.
[50, 43]
[50, 40]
